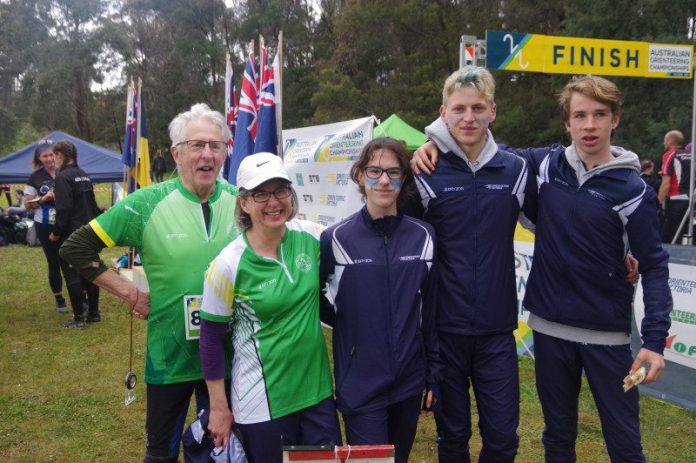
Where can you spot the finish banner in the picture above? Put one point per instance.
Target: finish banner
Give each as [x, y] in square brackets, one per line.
[319, 159]
[513, 51]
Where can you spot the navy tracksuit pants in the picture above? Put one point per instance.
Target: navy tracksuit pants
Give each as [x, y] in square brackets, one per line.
[489, 364]
[559, 365]
[315, 425]
[395, 424]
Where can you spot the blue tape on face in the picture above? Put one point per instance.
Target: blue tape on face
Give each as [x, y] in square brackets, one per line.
[453, 121]
[371, 183]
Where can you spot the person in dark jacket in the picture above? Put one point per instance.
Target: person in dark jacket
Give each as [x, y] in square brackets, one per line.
[379, 267]
[159, 166]
[39, 197]
[592, 210]
[75, 207]
[647, 173]
[473, 200]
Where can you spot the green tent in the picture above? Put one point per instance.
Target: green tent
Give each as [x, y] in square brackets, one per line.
[395, 127]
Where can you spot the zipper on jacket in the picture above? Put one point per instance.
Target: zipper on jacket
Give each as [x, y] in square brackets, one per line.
[281, 262]
[475, 266]
[570, 226]
[389, 305]
[205, 229]
[212, 220]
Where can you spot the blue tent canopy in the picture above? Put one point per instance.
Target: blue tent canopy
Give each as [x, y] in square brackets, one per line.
[101, 164]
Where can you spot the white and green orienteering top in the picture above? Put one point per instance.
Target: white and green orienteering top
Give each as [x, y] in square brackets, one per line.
[165, 222]
[280, 361]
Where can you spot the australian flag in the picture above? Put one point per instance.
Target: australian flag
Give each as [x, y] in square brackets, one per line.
[267, 137]
[231, 112]
[247, 121]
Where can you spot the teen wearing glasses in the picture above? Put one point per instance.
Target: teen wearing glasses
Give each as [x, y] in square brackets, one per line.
[266, 283]
[378, 265]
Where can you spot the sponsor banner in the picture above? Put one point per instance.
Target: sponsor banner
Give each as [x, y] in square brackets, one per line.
[318, 160]
[524, 250]
[681, 341]
[512, 51]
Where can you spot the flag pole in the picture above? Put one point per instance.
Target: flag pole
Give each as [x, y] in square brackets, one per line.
[262, 70]
[128, 169]
[131, 250]
[228, 107]
[279, 95]
[137, 136]
[262, 60]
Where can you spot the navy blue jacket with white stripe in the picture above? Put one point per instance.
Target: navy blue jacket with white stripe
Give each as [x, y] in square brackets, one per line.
[474, 215]
[583, 234]
[384, 341]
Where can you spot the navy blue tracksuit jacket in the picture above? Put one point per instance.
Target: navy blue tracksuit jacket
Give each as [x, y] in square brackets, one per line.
[583, 234]
[384, 342]
[474, 215]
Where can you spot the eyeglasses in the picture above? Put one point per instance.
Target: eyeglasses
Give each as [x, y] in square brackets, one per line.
[376, 172]
[45, 141]
[263, 196]
[196, 146]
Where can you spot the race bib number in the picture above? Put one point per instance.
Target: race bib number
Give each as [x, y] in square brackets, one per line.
[192, 312]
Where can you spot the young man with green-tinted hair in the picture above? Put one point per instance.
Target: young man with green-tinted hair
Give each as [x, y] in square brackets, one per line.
[473, 201]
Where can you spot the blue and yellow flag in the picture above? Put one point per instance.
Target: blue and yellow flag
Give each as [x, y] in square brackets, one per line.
[141, 172]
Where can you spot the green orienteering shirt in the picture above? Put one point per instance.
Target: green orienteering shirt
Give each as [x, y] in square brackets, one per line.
[165, 222]
[280, 361]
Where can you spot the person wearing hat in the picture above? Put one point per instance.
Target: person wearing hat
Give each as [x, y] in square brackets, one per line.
[39, 197]
[266, 283]
[178, 226]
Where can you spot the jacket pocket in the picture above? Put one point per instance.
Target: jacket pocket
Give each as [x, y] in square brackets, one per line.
[343, 372]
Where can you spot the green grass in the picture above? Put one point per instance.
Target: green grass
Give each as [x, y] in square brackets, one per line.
[61, 391]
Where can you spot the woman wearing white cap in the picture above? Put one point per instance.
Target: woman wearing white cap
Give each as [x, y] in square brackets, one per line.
[266, 283]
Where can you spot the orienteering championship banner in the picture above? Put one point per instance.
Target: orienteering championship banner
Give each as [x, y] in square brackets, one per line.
[676, 384]
[319, 159]
[524, 251]
[681, 341]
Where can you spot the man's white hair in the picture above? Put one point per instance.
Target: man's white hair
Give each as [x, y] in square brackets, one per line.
[177, 128]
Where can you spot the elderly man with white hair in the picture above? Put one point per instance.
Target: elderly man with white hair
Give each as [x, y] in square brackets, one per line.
[178, 226]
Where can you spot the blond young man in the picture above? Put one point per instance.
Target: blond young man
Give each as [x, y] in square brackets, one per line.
[473, 201]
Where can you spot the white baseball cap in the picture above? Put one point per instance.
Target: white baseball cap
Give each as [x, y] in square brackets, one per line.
[259, 168]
